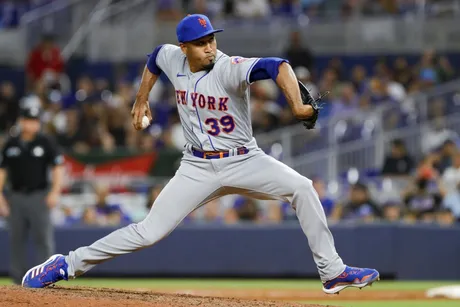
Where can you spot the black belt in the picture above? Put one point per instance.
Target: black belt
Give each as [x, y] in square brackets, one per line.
[218, 154]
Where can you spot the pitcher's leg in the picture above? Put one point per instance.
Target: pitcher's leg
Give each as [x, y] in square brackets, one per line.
[191, 186]
[259, 173]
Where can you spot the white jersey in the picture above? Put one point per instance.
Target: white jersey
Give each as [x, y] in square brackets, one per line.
[213, 105]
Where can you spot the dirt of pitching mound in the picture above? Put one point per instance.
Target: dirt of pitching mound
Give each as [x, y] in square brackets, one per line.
[13, 296]
[303, 295]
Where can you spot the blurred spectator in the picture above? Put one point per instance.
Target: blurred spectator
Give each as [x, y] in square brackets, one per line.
[107, 213]
[251, 8]
[445, 217]
[297, 54]
[447, 153]
[212, 212]
[311, 8]
[395, 90]
[436, 134]
[398, 162]
[119, 113]
[287, 8]
[402, 72]
[347, 103]
[437, 109]
[64, 216]
[330, 83]
[420, 201]
[427, 70]
[445, 71]
[70, 136]
[11, 12]
[358, 207]
[452, 202]
[336, 65]
[378, 92]
[451, 176]
[45, 62]
[211, 8]
[243, 209]
[359, 78]
[9, 105]
[392, 211]
[427, 167]
[89, 217]
[376, 8]
[168, 10]
[279, 211]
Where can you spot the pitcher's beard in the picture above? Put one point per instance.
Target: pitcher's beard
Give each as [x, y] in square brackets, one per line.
[210, 65]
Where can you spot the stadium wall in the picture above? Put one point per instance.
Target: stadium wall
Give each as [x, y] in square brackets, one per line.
[404, 252]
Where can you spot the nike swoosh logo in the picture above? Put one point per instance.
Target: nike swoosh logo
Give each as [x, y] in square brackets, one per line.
[180, 75]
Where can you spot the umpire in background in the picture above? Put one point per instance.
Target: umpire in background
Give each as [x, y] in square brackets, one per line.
[25, 160]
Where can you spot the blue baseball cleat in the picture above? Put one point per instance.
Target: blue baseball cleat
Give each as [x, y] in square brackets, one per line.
[51, 271]
[351, 277]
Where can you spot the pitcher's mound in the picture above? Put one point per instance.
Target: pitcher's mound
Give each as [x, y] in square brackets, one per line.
[12, 296]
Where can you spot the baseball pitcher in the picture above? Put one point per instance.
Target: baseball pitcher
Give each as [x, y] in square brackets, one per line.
[221, 156]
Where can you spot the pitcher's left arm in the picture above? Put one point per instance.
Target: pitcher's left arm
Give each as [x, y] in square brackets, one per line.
[280, 71]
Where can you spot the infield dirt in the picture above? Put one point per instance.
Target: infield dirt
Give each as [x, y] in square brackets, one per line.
[13, 296]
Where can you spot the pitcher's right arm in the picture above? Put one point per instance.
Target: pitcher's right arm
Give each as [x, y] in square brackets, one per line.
[149, 78]
[159, 61]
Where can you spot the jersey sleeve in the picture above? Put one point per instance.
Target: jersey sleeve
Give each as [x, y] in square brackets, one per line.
[237, 71]
[3, 157]
[54, 154]
[162, 57]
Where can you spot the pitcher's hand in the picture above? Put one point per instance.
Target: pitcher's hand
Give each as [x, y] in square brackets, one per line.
[138, 111]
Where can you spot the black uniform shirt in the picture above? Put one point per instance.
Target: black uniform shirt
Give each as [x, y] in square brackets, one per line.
[27, 163]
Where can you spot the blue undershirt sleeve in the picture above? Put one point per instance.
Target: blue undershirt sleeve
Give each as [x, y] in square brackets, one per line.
[266, 68]
[152, 61]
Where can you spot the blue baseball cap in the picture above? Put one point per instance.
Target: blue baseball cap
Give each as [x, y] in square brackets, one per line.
[194, 27]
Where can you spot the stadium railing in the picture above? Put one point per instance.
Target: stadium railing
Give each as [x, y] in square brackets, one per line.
[361, 141]
[137, 30]
[61, 18]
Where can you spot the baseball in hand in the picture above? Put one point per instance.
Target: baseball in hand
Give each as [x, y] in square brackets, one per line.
[145, 122]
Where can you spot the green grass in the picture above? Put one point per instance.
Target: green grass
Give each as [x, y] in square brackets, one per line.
[234, 283]
[438, 303]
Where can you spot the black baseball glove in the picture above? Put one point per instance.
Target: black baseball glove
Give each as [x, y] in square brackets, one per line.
[307, 98]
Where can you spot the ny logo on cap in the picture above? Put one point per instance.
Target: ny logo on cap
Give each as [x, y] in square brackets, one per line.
[202, 22]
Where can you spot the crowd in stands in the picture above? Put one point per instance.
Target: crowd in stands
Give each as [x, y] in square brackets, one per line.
[313, 9]
[94, 114]
[11, 11]
[416, 192]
